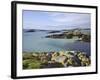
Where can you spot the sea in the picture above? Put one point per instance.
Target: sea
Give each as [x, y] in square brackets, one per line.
[36, 41]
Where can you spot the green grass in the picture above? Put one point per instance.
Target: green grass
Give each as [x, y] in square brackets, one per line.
[31, 64]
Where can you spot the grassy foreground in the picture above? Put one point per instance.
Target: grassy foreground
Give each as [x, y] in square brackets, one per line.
[39, 60]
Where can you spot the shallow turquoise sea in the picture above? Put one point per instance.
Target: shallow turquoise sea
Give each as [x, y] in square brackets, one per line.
[36, 41]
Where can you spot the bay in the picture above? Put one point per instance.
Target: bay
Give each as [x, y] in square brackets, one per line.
[37, 42]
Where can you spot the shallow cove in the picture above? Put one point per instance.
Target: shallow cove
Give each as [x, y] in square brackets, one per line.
[36, 42]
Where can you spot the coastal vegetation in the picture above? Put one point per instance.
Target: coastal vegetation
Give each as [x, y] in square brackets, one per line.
[40, 60]
[70, 34]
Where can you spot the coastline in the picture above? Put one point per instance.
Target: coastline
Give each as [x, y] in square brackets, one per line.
[36, 60]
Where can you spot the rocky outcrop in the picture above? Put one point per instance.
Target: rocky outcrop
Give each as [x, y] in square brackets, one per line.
[55, 59]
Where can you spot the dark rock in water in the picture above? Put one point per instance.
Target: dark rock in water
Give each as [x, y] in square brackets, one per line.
[54, 32]
[31, 30]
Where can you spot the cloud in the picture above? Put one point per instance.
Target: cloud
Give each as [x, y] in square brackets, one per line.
[69, 17]
[59, 17]
[56, 20]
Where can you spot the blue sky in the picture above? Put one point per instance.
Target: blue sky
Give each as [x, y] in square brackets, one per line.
[55, 20]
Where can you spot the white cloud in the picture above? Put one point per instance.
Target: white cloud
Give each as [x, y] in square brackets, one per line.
[59, 17]
[70, 18]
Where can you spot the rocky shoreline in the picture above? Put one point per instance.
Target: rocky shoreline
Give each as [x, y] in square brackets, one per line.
[70, 34]
[40, 60]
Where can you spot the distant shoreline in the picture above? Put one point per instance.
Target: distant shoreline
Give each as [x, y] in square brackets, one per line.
[65, 34]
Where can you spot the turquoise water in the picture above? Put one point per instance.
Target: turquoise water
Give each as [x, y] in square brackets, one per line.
[36, 41]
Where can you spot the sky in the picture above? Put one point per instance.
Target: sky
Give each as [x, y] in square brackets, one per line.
[47, 20]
